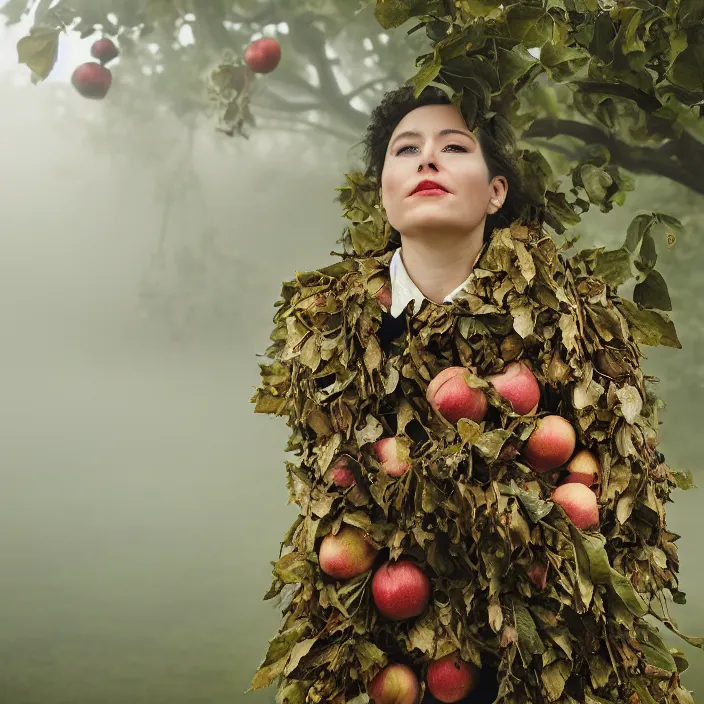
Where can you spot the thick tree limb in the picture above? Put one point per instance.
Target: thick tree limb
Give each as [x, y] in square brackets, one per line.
[647, 103]
[630, 157]
[310, 41]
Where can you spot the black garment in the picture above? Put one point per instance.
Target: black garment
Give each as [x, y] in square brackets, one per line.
[391, 329]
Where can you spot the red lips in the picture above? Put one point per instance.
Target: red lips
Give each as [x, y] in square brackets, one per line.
[428, 186]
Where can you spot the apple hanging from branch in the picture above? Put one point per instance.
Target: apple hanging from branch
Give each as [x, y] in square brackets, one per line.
[92, 80]
[104, 50]
[263, 55]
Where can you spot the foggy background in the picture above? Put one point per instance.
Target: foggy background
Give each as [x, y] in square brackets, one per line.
[141, 499]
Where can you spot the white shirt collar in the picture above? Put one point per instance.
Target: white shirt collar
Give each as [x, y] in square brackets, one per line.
[403, 290]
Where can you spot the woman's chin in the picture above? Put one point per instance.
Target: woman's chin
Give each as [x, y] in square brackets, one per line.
[433, 224]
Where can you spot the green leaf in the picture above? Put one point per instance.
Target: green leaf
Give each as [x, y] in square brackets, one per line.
[535, 507]
[278, 654]
[657, 654]
[554, 677]
[613, 266]
[641, 688]
[530, 25]
[597, 183]
[627, 593]
[687, 70]
[631, 21]
[298, 652]
[369, 655]
[39, 49]
[480, 8]
[529, 642]
[393, 13]
[562, 62]
[585, 584]
[652, 292]
[636, 230]
[691, 13]
[293, 693]
[602, 572]
[293, 568]
[514, 64]
[649, 327]
[426, 75]
[599, 567]
[490, 443]
[647, 257]
[684, 478]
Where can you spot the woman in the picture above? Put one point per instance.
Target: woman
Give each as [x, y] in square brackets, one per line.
[445, 190]
[444, 187]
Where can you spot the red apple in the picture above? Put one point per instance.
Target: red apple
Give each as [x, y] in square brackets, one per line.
[92, 80]
[104, 50]
[383, 295]
[450, 395]
[538, 574]
[550, 444]
[579, 503]
[400, 590]
[393, 456]
[583, 468]
[519, 387]
[347, 554]
[341, 474]
[451, 679]
[263, 55]
[395, 684]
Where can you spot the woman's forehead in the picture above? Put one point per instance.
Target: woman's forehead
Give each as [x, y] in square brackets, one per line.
[431, 119]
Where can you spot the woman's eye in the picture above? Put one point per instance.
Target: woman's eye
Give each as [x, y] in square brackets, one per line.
[449, 147]
[454, 147]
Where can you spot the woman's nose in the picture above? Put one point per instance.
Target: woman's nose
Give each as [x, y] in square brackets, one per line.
[427, 164]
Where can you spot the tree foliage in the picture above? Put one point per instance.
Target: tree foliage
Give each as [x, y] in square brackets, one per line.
[597, 90]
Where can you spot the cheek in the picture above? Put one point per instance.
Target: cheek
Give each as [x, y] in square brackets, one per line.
[389, 189]
[473, 183]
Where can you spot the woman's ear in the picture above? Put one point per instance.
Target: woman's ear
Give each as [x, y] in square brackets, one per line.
[499, 191]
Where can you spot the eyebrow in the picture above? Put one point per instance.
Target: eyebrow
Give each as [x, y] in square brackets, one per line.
[442, 133]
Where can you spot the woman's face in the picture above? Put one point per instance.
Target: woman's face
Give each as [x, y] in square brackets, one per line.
[432, 143]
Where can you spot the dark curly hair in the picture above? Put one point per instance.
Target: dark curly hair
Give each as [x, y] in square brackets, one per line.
[495, 137]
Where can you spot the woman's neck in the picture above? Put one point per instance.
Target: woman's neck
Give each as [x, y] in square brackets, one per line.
[437, 266]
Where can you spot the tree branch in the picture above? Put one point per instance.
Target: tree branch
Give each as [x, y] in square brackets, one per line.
[548, 146]
[365, 86]
[630, 157]
[283, 105]
[310, 42]
[288, 124]
[647, 103]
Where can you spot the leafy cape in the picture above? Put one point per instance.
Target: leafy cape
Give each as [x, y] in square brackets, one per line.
[470, 511]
